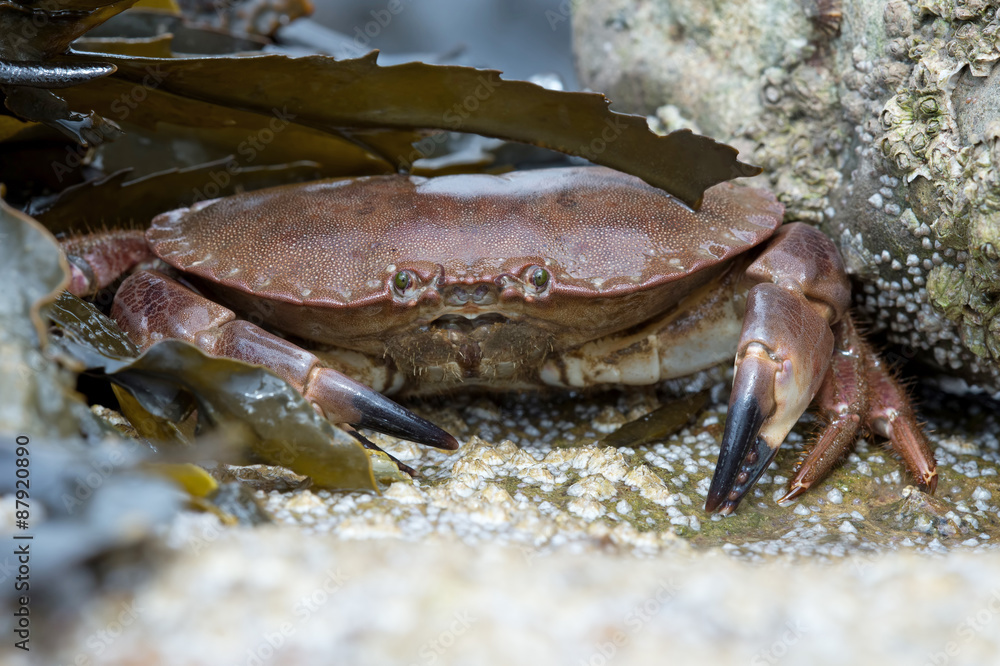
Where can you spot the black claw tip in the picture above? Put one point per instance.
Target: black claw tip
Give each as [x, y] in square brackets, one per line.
[742, 459]
[382, 414]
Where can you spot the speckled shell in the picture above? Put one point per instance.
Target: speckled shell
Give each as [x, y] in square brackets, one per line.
[338, 243]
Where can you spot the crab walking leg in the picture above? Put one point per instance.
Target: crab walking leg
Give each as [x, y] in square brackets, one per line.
[784, 351]
[150, 307]
[860, 391]
[843, 401]
[892, 417]
[97, 260]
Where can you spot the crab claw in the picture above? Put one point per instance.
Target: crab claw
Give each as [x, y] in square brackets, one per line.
[150, 306]
[745, 454]
[784, 352]
[345, 400]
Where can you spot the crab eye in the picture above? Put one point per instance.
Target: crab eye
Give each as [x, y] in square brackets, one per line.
[402, 281]
[538, 277]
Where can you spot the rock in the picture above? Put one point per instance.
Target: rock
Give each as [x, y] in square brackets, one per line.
[279, 599]
[881, 128]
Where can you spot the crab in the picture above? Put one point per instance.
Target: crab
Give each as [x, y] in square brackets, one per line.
[570, 277]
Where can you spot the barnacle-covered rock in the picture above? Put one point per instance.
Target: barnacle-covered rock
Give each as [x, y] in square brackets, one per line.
[877, 121]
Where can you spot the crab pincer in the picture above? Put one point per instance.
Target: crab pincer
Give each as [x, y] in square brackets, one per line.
[783, 354]
[860, 393]
[784, 351]
[151, 306]
[798, 343]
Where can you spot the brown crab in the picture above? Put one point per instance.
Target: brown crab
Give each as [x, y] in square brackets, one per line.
[568, 277]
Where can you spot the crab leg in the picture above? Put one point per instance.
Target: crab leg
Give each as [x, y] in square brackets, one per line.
[892, 417]
[96, 260]
[150, 307]
[859, 391]
[784, 351]
[843, 402]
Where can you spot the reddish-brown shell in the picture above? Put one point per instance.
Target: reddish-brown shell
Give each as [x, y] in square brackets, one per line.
[338, 243]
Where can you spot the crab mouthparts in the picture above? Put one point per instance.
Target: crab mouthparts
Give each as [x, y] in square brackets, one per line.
[467, 323]
[481, 294]
[485, 349]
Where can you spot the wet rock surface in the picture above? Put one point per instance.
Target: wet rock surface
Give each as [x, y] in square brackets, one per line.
[532, 472]
[534, 536]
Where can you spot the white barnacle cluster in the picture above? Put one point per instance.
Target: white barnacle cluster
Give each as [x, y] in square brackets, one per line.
[524, 482]
[931, 233]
